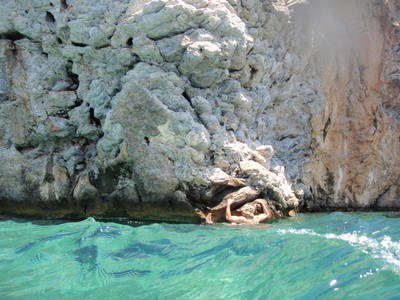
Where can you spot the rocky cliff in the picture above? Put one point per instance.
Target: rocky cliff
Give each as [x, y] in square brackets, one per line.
[156, 108]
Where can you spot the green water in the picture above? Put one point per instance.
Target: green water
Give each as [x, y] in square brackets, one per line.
[319, 256]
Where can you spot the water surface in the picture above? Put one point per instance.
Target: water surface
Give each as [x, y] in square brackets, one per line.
[311, 256]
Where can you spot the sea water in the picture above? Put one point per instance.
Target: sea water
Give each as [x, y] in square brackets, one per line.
[311, 256]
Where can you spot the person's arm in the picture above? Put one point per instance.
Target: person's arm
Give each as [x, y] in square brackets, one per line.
[228, 214]
[235, 219]
[266, 212]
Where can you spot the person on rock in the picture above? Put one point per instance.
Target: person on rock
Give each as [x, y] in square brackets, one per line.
[246, 214]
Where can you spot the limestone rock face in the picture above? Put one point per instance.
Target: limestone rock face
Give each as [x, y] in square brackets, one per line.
[155, 108]
[356, 138]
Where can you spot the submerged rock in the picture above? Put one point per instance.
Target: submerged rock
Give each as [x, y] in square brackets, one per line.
[159, 108]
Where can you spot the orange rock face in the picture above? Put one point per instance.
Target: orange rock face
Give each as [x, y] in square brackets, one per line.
[356, 146]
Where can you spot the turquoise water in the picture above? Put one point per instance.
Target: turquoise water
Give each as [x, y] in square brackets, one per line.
[311, 256]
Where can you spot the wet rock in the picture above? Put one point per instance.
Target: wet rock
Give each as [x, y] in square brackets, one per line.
[11, 173]
[84, 190]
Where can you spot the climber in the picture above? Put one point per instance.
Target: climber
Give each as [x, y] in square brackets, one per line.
[246, 213]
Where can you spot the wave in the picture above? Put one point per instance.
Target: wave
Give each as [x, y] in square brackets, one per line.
[384, 248]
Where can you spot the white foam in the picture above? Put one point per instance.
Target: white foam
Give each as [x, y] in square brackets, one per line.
[384, 248]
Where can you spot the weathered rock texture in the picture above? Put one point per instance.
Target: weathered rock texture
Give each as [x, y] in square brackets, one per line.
[356, 147]
[155, 108]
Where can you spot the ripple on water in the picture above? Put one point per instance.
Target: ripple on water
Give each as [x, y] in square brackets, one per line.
[319, 256]
[384, 248]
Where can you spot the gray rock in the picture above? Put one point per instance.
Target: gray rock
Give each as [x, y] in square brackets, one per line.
[156, 108]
